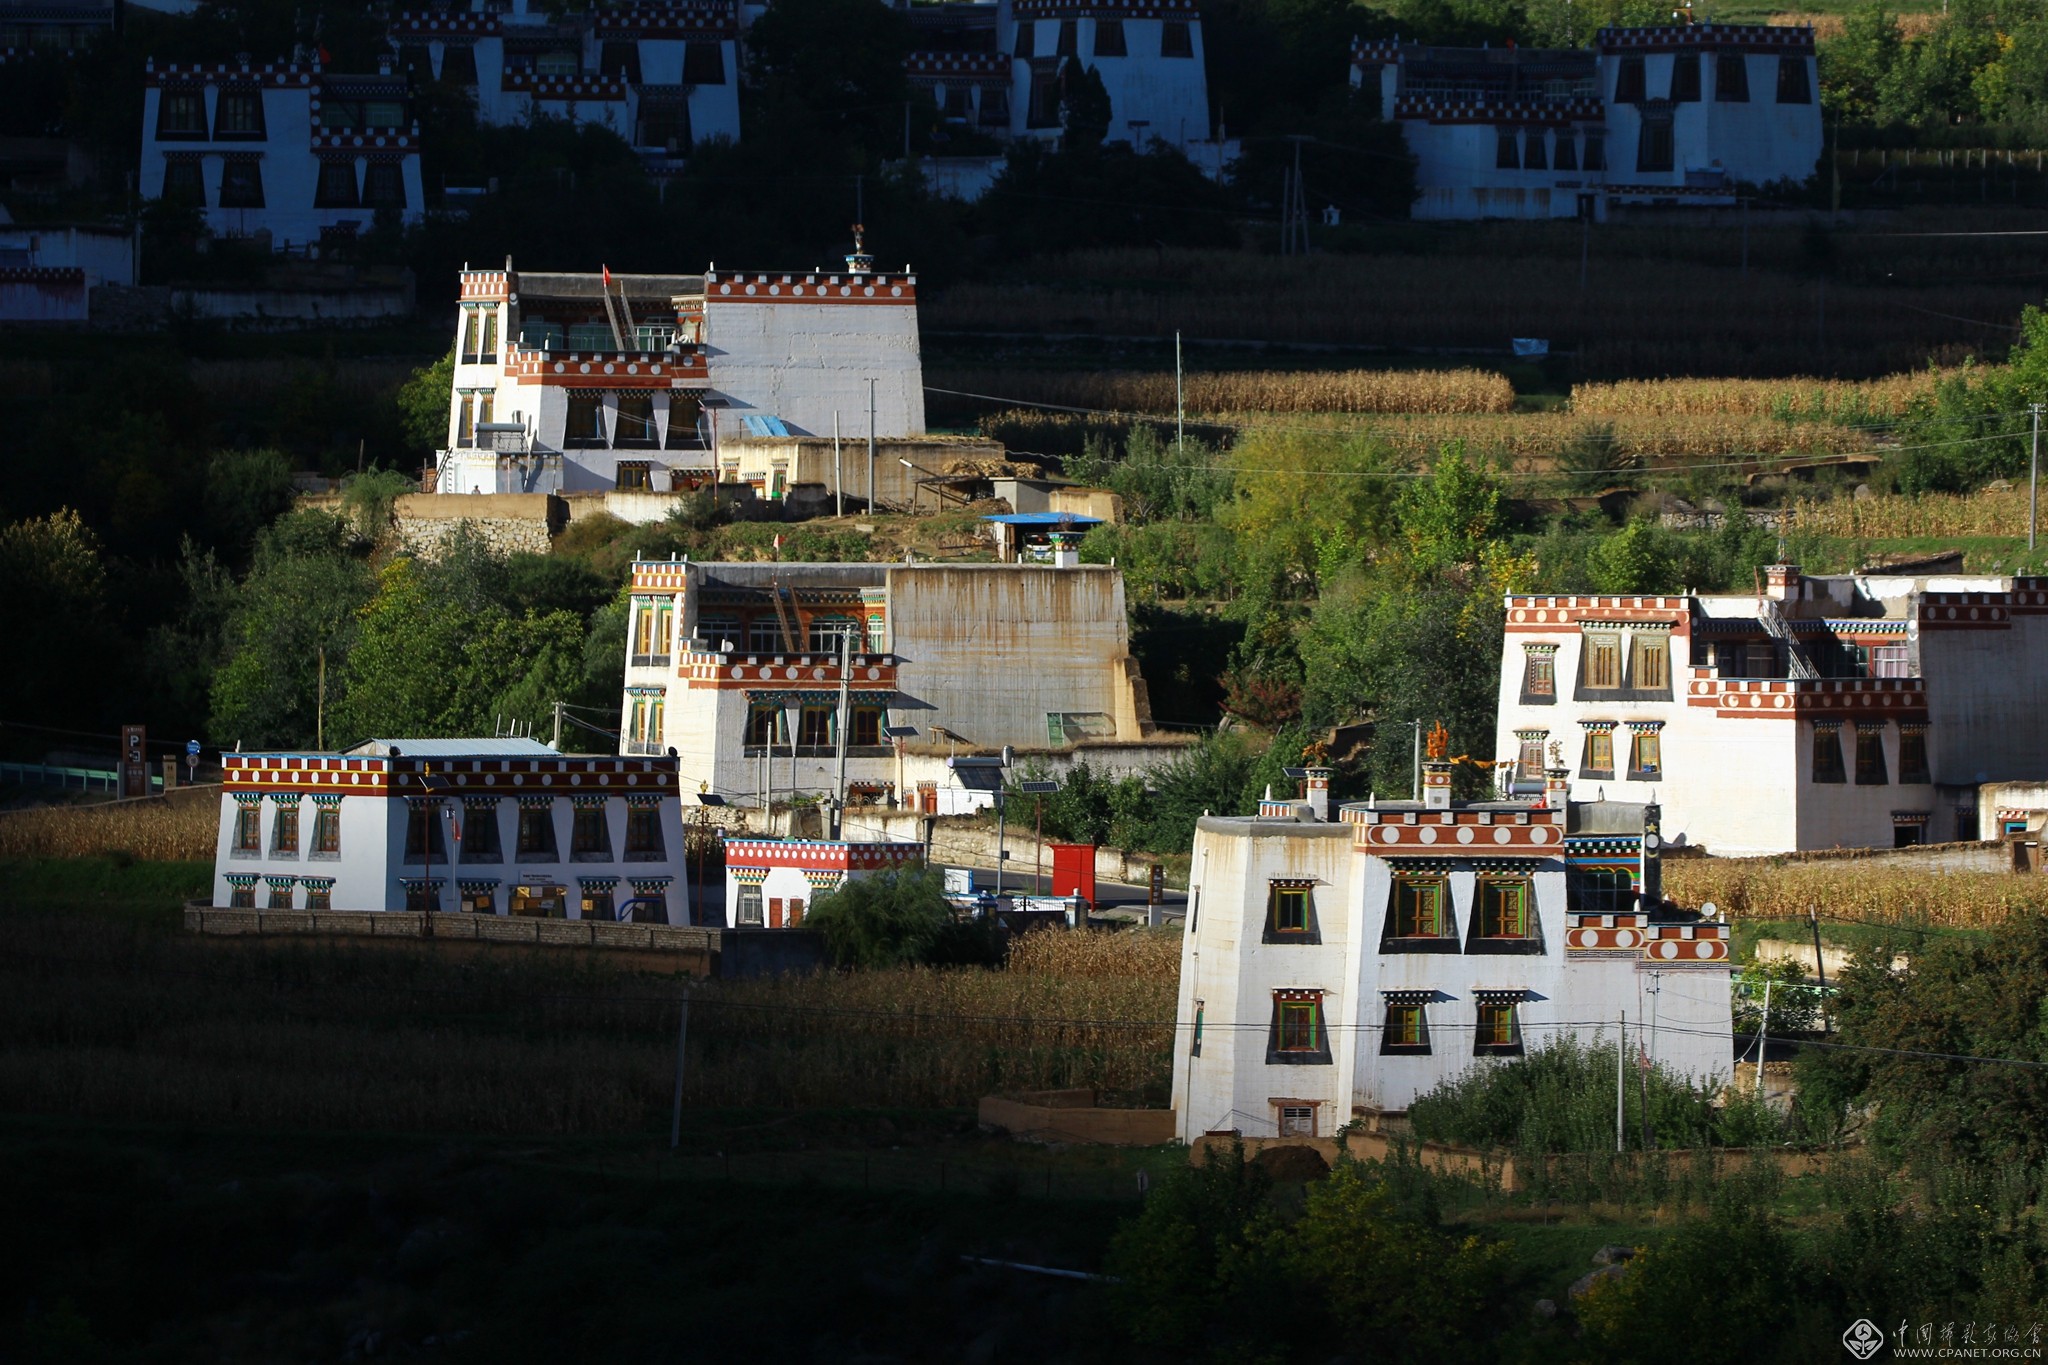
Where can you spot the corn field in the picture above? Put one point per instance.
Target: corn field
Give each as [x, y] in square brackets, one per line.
[1141, 954]
[110, 1019]
[179, 828]
[1770, 888]
[1244, 391]
[1813, 400]
[1991, 512]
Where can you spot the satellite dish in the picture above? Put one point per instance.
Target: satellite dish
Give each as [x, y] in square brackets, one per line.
[1710, 911]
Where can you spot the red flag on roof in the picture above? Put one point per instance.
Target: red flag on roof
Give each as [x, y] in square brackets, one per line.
[324, 57]
[607, 275]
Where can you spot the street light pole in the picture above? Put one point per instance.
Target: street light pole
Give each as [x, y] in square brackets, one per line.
[871, 447]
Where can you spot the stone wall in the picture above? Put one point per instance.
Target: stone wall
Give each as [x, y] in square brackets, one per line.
[1072, 1116]
[511, 523]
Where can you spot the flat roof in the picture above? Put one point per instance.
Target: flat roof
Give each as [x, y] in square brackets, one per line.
[1041, 519]
[455, 748]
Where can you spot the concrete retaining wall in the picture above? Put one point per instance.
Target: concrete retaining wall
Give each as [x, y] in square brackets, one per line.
[1072, 1116]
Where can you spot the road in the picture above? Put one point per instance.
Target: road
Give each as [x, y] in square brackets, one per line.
[1109, 896]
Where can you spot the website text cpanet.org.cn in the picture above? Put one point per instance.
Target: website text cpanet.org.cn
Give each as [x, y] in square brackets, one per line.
[1864, 1340]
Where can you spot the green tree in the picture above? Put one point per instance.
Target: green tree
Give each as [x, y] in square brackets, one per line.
[54, 613]
[883, 921]
[1634, 559]
[1448, 517]
[423, 405]
[292, 621]
[1084, 106]
[245, 491]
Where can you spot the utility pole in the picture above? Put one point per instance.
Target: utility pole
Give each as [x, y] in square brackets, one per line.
[2034, 477]
[1745, 236]
[320, 704]
[838, 471]
[1417, 798]
[1620, 1047]
[1763, 1029]
[556, 743]
[871, 447]
[1180, 410]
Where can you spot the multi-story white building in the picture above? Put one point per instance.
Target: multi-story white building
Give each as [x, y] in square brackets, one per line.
[483, 826]
[1859, 710]
[305, 156]
[737, 668]
[663, 76]
[1681, 113]
[1330, 969]
[573, 382]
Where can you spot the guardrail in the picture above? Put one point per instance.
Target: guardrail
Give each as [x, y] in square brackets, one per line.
[82, 779]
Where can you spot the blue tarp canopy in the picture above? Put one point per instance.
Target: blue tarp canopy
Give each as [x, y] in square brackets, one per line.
[1042, 519]
[763, 425]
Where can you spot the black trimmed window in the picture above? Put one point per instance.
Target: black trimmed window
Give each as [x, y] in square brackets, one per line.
[537, 833]
[480, 842]
[238, 115]
[1685, 78]
[1645, 753]
[1109, 38]
[1596, 151]
[1506, 151]
[384, 188]
[319, 895]
[1567, 158]
[181, 116]
[1405, 1031]
[1628, 81]
[1026, 37]
[1297, 1036]
[596, 903]
[584, 429]
[336, 187]
[1650, 669]
[1291, 912]
[1069, 41]
[814, 727]
[644, 843]
[242, 896]
[1529, 759]
[248, 829]
[1598, 758]
[1497, 1030]
[635, 419]
[1827, 751]
[184, 182]
[1794, 85]
[1870, 765]
[422, 897]
[1913, 754]
[458, 64]
[663, 123]
[1534, 155]
[1295, 1118]
[1539, 675]
[762, 725]
[590, 836]
[704, 62]
[423, 838]
[1420, 917]
[1600, 663]
[326, 832]
[280, 894]
[1176, 39]
[1731, 78]
[683, 411]
[241, 183]
[284, 831]
[1504, 918]
[1656, 149]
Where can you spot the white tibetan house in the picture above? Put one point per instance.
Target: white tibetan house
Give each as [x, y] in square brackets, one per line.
[1335, 968]
[477, 826]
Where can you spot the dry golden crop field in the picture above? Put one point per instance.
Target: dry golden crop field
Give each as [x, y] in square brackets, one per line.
[1989, 512]
[1244, 391]
[1833, 400]
[178, 828]
[1768, 888]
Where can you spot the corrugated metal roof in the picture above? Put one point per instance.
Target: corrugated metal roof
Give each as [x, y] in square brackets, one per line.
[454, 748]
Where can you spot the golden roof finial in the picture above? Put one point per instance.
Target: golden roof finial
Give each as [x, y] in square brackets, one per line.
[1439, 740]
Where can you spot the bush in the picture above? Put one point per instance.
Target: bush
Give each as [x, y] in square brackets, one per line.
[884, 921]
[1560, 1098]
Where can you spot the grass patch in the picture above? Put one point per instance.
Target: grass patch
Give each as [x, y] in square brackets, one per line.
[151, 893]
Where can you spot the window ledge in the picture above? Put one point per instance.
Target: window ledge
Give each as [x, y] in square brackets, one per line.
[1646, 774]
[604, 857]
[1404, 1049]
[1506, 947]
[1496, 1049]
[652, 856]
[1420, 945]
[1307, 938]
[323, 857]
[1321, 1057]
[251, 854]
